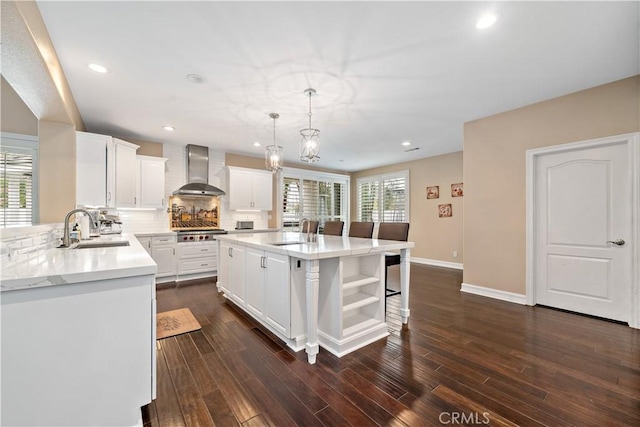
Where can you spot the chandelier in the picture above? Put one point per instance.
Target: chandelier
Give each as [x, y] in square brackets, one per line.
[274, 154]
[310, 137]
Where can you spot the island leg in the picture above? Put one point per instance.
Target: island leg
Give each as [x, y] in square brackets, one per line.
[312, 281]
[405, 255]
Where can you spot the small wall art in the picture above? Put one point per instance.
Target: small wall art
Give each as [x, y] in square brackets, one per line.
[433, 192]
[445, 211]
[456, 190]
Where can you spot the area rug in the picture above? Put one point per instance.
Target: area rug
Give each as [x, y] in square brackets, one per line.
[175, 322]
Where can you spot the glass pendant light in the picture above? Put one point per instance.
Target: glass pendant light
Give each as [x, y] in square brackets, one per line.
[274, 153]
[310, 137]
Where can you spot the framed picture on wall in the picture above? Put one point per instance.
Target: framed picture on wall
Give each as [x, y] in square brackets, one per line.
[445, 211]
[456, 190]
[433, 192]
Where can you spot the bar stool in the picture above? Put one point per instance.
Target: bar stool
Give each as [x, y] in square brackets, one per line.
[392, 231]
[333, 228]
[361, 229]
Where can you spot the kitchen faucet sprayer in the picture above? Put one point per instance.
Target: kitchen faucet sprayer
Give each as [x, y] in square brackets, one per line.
[65, 235]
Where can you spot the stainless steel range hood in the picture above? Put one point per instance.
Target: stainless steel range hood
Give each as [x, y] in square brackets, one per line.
[198, 174]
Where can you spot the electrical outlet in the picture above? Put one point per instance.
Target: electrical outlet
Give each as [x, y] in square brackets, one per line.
[455, 254]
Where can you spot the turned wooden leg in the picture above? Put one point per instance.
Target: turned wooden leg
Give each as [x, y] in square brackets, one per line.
[405, 276]
[312, 282]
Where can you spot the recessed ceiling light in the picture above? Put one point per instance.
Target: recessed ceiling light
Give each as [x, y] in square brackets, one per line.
[168, 128]
[195, 78]
[256, 144]
[98, 68]
[406, 143]
[486, 21]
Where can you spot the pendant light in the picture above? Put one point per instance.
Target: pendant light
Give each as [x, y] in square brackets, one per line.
[274, 153]
[310, 137]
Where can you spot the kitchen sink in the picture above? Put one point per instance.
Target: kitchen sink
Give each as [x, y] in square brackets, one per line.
[110, 244]
[286, 243]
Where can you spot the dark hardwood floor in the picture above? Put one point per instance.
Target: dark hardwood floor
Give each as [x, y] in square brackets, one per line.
[462, 360]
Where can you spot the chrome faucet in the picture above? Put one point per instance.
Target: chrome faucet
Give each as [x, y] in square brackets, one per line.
[65, 236]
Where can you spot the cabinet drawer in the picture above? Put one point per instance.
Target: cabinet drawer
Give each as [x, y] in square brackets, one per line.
[197, 265]
[186, 250]
[163, 240]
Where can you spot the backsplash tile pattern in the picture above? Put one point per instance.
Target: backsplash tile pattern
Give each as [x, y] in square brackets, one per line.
[22, 243]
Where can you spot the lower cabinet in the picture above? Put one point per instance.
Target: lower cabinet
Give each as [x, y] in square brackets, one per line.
[231, 273]
[198, 257]
[163, 252]
[267, 288]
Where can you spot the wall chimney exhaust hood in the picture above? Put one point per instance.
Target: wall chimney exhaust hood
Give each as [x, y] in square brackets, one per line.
[198, 174]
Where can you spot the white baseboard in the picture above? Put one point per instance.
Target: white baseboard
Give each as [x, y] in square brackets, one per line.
[437, 263]
[494, 293]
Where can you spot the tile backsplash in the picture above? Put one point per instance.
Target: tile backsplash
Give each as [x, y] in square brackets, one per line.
[21, 243]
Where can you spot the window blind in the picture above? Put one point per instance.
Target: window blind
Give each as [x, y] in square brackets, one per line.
[383, 198]
[16, 189]
[315, 199]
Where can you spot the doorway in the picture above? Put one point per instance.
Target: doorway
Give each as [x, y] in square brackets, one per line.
[582, 227]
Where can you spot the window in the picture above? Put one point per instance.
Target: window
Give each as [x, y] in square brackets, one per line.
[384, 198]
[17, 160]
[313, 195]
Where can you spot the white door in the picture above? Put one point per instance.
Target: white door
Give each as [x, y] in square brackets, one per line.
[582, 214]
[254, 281]
[278, 293]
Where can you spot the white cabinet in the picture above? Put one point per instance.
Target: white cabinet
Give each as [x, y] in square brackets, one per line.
[231, 273]
[250, 189]
[146, 243]
[150, 182]
[163, 252]
[352, 295]
[197, 257]
[91, 169]
[122, 174]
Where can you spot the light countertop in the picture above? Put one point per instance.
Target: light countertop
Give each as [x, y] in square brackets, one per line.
[325, 247]
[66, 265]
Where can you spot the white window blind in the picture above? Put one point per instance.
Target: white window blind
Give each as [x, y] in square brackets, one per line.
[384, 198]
[16, 188]
[321, 198]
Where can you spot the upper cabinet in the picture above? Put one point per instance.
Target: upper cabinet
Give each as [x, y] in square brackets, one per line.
[250, 189]
[151, 182]
[122, 175]
[91, 169]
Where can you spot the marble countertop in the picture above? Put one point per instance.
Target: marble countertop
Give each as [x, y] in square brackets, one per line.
[67, 265]
[325, 247]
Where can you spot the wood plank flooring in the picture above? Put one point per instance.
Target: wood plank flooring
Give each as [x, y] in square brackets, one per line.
[462, 360]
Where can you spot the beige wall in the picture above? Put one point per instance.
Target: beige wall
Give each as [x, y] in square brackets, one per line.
[153, 149]
[435, 238]
[494, 171]
[57, 175]
[15, 116]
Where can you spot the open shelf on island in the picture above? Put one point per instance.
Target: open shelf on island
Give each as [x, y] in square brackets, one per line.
[357, 300]
[358, 280]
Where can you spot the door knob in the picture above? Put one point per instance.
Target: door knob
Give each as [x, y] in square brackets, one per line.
[618, 242]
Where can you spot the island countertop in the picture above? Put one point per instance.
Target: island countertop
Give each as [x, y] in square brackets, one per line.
[294, 244]
[61, 266]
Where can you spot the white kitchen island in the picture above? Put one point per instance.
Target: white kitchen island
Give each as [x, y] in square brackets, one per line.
[329, 293]
[78, 336]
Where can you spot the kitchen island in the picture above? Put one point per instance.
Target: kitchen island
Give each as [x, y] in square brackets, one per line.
[328, 293]
[78, 335]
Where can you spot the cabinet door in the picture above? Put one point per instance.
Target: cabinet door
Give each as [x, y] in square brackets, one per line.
[237, 284]
[277, 293]
[91, 169]
[151, 194]
[254, 281]
[224, 267]
[146, 243]
[125, 174]
[240, 189]
[165, 257]
[262, 191]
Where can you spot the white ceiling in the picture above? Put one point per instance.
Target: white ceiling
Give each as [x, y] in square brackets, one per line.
[385, 72]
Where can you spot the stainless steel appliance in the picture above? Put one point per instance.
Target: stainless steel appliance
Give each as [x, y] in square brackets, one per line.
[110, 224]
[198, 174]
[244, 225]
[198, 235]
